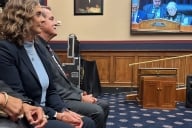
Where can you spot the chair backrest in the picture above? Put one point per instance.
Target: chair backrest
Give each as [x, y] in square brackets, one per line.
[185, 9]
[90, 81]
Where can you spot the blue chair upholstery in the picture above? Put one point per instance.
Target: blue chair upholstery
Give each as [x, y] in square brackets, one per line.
[185, 9]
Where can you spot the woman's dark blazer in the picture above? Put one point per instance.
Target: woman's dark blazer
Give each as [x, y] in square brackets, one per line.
[17, 71]
[5, 88]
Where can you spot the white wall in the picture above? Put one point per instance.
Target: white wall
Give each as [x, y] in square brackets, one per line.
[113, 25]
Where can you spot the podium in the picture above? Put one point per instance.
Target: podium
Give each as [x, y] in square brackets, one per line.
[157, 87]
[156, 25]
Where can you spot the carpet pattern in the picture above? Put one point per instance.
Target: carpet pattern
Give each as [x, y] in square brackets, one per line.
[129, 114]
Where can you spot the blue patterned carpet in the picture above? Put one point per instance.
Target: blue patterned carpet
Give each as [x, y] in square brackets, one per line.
[129, 114]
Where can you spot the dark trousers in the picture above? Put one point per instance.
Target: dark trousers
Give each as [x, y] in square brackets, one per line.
[98, 111]
[88, 123]
[7, 123]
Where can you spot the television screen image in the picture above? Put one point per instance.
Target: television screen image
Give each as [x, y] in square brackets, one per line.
[161, 16]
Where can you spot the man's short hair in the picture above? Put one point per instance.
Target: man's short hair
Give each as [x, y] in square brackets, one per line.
[45, 7]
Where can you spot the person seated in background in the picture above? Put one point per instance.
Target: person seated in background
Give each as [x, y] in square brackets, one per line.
[155, 10]
[137, 15]
[174, 15]
[24, 68]
[74, 98]
[16, 111]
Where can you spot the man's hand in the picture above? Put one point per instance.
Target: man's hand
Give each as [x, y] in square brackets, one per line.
[71, 118]
[89, 98]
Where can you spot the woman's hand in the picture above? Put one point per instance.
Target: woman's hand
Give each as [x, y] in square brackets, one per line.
[34, 115]
[16, 109]
[13, 107]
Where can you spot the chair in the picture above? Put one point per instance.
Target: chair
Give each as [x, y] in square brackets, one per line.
[90, 81]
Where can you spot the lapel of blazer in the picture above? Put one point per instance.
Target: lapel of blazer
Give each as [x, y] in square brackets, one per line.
[42, 44]
[27, 62]
[60, 65]
[61, 73]
[65, 77]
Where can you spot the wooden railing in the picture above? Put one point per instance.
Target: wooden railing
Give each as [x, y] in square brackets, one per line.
[179, 62]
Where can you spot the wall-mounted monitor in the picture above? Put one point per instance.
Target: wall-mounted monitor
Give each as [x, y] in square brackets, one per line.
[161, 16]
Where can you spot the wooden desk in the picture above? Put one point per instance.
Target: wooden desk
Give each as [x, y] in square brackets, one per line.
[159, 24]
[186, 28]
[156, 76]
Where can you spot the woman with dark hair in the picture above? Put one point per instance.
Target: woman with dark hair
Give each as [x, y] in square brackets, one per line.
[24, 68]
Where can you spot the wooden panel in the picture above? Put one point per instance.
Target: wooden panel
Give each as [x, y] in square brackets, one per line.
[104, 66]
[150, 93]
[180, 64]
[63, 57]
[157, 71]
[168, 93]
[188, 65]
[148, 58]
[181, 94]
[122, 69]
[185, 28]
[114, 69]
[158, 91]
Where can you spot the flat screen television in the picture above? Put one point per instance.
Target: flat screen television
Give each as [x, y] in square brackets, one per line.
[172, 16]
